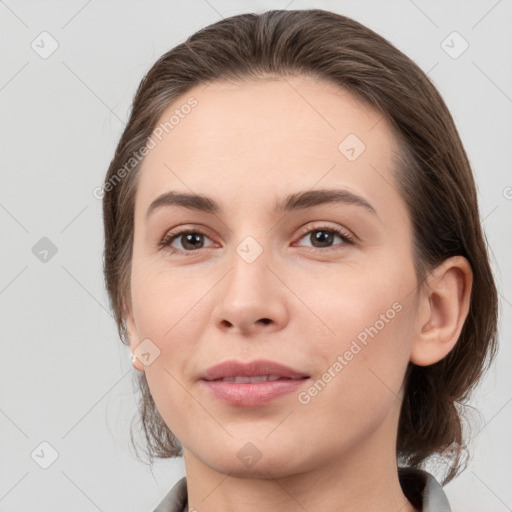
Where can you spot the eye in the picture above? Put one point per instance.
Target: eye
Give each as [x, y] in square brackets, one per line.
[190, 240]
[323, 236]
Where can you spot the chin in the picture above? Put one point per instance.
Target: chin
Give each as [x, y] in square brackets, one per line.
[263, 469]
[256, 458]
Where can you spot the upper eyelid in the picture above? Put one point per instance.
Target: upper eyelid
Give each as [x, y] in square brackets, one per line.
[304, 229]
[323, 225]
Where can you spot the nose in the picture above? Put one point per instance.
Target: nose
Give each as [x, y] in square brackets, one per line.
[251, 298]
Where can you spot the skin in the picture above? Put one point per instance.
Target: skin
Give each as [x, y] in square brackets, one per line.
[246, 146]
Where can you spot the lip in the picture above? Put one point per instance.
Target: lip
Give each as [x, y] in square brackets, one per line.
[251, 394]
[250, 369]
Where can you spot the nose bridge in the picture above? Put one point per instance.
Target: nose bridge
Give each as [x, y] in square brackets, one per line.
[249, 296]
[248, 276]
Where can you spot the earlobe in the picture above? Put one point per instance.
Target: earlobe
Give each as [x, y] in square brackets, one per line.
[131, 331]
[445, 302]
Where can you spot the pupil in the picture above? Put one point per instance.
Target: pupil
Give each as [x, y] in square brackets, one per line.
[322, 236]
[190, 239]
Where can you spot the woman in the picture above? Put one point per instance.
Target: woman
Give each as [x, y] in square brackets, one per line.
[293, 253]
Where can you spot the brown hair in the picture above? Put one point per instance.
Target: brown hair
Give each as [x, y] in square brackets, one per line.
[433, 176]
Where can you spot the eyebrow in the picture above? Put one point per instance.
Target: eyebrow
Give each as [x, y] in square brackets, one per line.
[296, 201]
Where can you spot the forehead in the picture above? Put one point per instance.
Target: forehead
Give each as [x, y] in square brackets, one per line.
[268, 137]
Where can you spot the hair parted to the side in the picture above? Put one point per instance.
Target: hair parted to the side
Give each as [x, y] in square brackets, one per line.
[433, 176]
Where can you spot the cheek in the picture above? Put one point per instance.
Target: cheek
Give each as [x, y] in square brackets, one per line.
[170, 309]
[365, 362]
[362, 341]
[165, 300]
[368, 304]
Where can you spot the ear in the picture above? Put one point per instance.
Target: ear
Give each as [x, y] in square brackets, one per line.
[133, 337]
[443, 308]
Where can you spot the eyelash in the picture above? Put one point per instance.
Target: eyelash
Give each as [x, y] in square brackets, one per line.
[173, 235]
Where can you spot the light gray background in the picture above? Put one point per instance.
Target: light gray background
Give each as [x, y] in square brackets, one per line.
[65, 377]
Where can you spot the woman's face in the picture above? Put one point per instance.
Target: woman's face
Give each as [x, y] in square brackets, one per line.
[326, 288]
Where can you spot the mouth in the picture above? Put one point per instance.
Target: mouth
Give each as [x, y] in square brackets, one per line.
[251, 384]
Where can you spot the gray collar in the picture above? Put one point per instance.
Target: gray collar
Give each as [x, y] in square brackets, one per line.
[423, 490]
[420, 487]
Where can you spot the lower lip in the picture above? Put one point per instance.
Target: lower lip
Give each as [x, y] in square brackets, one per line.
[252, 394]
